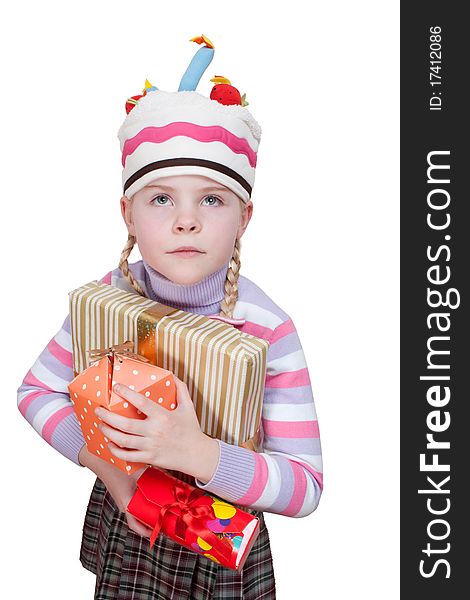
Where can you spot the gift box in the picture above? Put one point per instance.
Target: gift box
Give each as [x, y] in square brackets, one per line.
[93, 387]
[223, 367]
[195, 519]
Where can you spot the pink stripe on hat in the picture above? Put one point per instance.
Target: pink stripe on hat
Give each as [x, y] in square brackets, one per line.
[200, 133]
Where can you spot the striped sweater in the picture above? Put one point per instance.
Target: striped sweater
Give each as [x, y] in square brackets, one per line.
[286, 476]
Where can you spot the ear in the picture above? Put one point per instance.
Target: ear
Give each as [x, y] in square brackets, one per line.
[247, 212]
[126, 211]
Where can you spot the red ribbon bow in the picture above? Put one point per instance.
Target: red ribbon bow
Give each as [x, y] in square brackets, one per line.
[190, 516]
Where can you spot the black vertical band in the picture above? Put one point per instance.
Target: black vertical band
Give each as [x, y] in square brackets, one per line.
[435, 436]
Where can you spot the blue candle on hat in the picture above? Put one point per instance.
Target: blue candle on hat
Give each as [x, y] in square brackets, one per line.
[201, 60]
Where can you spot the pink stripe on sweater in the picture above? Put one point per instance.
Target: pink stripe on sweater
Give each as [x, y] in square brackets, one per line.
[62, 355]
[257, 330]
[260, 479]
[200, 133]
[288, 379]
[30, 379]
[26, 402]
[283, 330]
[318, 476]
[54, 420]
[291, 429]
[107, 278]
[300, 489]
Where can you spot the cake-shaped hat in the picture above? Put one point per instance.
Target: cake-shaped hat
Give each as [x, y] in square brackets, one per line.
[184, 132]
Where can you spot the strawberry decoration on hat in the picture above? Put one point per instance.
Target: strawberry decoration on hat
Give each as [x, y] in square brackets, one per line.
[225, 93]
[132, 101]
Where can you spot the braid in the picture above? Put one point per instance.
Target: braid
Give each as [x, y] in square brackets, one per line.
[227, 306]
[124, 266]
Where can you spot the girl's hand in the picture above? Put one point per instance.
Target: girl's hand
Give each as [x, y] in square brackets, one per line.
[166, 439]
[120, 485]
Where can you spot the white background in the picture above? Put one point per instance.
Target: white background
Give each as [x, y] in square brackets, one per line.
[322, 80]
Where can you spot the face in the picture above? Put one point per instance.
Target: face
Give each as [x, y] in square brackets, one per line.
[186, 210]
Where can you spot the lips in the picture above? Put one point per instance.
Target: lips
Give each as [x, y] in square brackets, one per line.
[186, 252]
[186, 249]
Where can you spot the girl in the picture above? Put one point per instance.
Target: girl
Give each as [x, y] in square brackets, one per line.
[188, 173]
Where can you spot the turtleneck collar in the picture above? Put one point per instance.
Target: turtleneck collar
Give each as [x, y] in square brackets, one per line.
[203, 297]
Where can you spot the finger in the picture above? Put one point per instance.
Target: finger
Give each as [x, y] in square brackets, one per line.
[128, 455]
[145, 405]
[129, 424]
[182, 392]
[180, 384]
[123, 439]
[137, 526]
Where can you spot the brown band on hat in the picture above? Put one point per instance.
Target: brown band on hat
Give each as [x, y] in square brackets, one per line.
[198, 162]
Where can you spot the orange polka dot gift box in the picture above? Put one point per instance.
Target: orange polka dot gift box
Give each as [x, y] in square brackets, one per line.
[93, 387]
[194, 518]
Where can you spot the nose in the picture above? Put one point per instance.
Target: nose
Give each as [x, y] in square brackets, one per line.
[186, 222]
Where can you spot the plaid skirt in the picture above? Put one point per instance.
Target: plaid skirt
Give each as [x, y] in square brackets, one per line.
[127, 569]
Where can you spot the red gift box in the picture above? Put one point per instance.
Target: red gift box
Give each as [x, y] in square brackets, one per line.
[195, 519]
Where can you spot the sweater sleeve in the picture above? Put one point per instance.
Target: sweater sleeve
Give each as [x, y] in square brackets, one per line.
[286, 477]
[43, 397]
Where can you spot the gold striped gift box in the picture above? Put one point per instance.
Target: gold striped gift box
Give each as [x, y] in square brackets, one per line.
[224, 368]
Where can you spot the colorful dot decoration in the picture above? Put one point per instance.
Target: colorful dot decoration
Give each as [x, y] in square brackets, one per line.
[223, 513]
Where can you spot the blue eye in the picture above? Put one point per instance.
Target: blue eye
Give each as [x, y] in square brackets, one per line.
[158, 197]
[160, 200]
[215, 198]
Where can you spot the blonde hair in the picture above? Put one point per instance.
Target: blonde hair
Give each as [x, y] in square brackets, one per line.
[227, 306]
